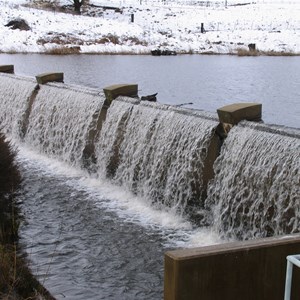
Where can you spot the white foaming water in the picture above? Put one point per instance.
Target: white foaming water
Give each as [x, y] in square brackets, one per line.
[60, 121]
[178, 231]
[14, 94]
[156, 152]
[256, 190]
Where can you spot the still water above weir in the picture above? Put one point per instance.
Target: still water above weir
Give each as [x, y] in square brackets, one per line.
[209, 82]
[101, 234]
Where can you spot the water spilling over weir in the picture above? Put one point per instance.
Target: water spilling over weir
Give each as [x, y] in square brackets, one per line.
[164, 154]
[156, 152]
[256, 189]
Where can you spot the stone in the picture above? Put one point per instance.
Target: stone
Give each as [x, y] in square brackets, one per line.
[18, 23]
[234, 113]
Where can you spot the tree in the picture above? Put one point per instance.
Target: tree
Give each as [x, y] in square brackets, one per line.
[77, 5]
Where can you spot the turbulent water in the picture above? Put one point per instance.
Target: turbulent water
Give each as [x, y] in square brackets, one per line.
[156, 152]
[256, 189]
[89, 239]
[15, 92]
[60, 121]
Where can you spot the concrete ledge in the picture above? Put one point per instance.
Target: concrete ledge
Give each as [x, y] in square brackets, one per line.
[49, 77]
[237, 112]
[7, 69]
[113, 91]
[242, 270]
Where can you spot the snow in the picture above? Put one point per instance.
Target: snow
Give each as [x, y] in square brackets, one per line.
[274, 26]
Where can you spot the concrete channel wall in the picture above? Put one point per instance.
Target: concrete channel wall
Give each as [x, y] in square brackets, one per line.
[251, 270]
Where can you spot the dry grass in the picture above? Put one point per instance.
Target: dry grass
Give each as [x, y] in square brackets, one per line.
[63, 50]
[246, 52]
[279, 53]
[129, 52]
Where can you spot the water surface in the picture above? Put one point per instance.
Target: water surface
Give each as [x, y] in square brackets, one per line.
[209, 82]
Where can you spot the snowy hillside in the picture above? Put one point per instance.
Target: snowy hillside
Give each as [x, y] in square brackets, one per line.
[138, 26]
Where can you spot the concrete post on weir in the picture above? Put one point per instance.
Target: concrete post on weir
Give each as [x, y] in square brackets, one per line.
[113, 91]
[7, 69]
[49, 77]
[234, 113]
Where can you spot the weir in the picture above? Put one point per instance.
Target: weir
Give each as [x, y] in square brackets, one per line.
[157, 152]
[255, 192]
[241, 178]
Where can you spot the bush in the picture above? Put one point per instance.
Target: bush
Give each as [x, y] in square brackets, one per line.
[63, 50]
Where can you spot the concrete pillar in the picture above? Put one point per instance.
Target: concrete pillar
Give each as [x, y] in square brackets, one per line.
[26, 115]
[49, 77]
[234, 113]
[213, 152]
[7, 69]
[89, 155]
[113, 91]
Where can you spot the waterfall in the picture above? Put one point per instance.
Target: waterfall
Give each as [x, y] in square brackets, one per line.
[14, 95]
[164, 154]
[61, 120]
[256, 189]
[156, 152]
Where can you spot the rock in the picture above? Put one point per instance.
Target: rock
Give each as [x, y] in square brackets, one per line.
[151, 98]
[20, 24]
[158, 52]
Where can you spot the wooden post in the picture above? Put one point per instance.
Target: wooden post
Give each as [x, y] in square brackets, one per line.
[202, 28]
[252, 47]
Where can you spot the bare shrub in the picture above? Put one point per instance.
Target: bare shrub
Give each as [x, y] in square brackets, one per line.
[59, 39]
[49, 5]
[134, 40]
[63, 50]
[105, 39]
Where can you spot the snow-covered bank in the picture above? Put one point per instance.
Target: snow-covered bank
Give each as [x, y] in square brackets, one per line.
[274, 26]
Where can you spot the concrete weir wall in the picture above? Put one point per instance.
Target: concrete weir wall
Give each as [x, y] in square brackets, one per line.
[251, 270]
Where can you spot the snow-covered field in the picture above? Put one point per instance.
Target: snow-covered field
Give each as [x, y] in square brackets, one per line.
[274, 26]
